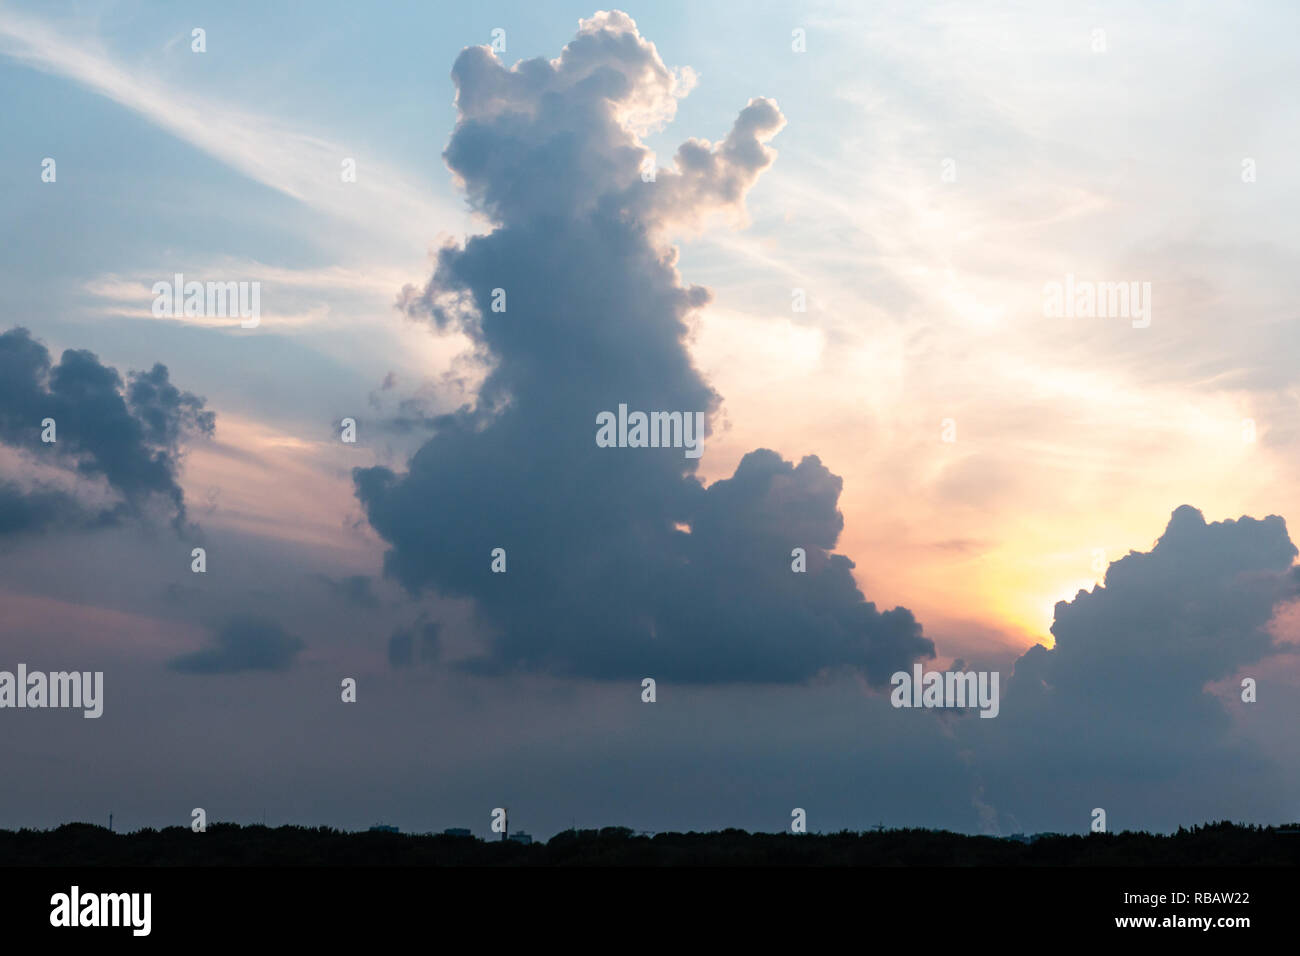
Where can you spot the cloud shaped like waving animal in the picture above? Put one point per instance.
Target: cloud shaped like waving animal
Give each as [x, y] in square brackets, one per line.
[575, 303]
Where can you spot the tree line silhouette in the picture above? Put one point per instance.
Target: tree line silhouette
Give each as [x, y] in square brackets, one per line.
[228, 844]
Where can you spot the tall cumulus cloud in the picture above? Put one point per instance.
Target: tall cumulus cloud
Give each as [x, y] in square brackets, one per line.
[620, 562]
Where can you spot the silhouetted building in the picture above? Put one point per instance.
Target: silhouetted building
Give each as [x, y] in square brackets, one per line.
[458, 832]
[383, 828]
[519, 836]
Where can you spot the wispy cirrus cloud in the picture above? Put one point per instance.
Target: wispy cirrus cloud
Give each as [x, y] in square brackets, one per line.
[295, 299]
[295, 162]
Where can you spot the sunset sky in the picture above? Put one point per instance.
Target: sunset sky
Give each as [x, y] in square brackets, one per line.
[916, 175]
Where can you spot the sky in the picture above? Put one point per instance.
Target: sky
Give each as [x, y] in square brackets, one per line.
[832, 231]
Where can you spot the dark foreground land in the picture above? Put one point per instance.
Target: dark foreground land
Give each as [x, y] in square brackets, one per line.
[80, 844]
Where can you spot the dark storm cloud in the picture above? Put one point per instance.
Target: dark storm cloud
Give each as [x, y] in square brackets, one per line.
[1121, 699]
[242, 643]
[1194, 609]
[130, 436]
[600, 579]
